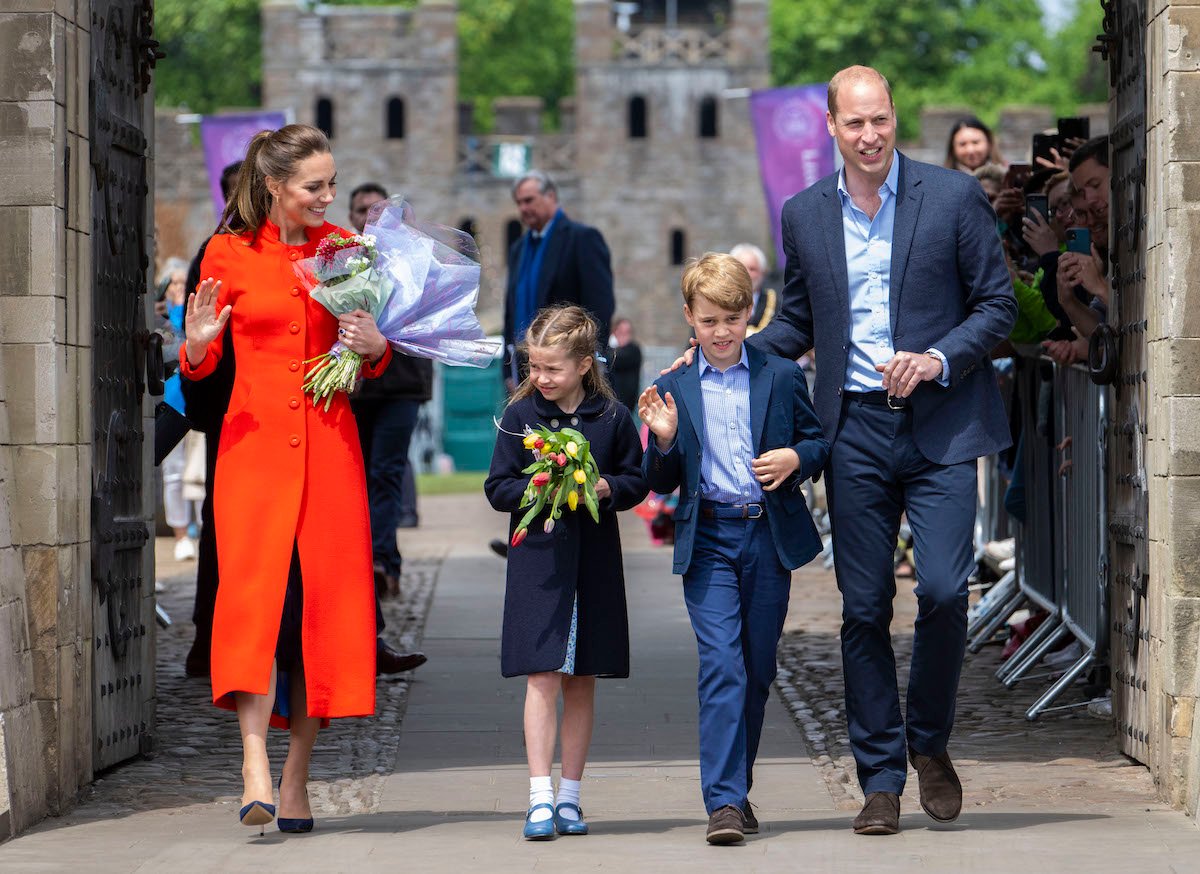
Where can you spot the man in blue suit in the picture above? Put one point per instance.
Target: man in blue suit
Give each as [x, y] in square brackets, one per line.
[896, 278]
[736, 432]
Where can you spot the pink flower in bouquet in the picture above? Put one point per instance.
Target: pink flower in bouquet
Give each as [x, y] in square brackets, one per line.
[540, 479]
[561, 458]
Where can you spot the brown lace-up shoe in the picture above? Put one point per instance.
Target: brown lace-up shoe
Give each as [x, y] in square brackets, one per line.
[941, 790]
[726, 825]
[749, 820]
[880, 815]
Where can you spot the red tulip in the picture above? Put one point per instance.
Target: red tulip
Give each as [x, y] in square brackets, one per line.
[518, 536]
[539, 443]
[540, 479]
[561, 458]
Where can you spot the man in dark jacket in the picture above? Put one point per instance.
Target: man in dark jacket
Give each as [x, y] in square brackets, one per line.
[386, 409]
[555, 261]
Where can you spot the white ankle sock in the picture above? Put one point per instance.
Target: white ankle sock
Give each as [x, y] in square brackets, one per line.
[568, 793]
[541, 791]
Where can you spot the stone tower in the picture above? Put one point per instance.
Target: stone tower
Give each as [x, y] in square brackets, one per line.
[666, 160]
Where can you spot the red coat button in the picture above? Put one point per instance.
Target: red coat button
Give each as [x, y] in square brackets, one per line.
[295, 256]
[295, 441]
[294, 403]
[294, 327]
[295, 291]
[293, 365]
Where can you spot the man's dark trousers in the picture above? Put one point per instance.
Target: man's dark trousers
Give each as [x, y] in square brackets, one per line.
[385, 429]
[875, 473]
[736, 591]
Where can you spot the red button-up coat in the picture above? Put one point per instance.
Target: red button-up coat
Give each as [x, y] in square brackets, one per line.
[288, 472]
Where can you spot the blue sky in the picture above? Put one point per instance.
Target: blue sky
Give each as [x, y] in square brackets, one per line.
[1056, 11]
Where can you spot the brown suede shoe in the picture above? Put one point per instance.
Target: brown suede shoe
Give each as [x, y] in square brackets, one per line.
[880, 815]
[726, 825]
[941, 791]
[749, 820]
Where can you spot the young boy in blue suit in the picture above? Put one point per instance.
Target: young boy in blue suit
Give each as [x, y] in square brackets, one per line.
[736, 432]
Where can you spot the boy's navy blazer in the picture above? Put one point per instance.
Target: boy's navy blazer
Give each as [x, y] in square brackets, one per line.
[781, 414]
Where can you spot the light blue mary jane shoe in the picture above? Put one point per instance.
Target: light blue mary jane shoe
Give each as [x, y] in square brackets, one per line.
[539, 831]
[566, 826]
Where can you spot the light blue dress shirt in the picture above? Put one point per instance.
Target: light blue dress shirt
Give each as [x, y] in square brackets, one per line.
[869, 271]
[725, 473]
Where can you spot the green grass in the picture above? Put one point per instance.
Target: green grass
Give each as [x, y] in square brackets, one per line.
[465, 482]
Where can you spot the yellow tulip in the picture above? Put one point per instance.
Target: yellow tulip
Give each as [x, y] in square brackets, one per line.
[580, 476]
[572, 499]
[572, 448]
[529, 440]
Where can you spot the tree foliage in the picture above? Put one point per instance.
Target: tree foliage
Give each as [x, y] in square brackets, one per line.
[511, 48]
[213, 54]
[982, 54]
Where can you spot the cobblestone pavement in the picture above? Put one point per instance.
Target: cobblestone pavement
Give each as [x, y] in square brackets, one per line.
[198, 749]
[1001, 756]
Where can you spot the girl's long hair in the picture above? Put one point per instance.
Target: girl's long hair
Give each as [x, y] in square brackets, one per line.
[271, 153]
[572, 330]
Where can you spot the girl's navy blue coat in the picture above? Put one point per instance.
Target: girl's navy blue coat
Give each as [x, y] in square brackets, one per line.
[579, 558]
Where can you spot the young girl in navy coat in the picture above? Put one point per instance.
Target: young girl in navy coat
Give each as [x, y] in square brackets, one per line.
[565, 621]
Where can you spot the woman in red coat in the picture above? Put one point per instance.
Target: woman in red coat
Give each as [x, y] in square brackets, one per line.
[295, 610]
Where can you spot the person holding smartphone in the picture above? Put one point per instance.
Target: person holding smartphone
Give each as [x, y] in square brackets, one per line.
[1083, 264]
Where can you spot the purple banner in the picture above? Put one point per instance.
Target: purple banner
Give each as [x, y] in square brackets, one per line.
[794, 146]
[225, 138]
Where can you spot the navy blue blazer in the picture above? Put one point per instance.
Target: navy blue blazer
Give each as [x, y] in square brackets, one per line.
[781, 414]
[576, 269]
[950, 290]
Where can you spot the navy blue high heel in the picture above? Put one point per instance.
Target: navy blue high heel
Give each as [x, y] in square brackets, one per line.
[290, 825]
[257, 813]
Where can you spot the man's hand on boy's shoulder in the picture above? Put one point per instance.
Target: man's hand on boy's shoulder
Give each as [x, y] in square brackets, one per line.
[773, 467]
[688, 356]
[660, 415]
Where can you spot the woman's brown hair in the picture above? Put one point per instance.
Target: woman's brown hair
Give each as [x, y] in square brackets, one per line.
[572, 330]
[271, 153]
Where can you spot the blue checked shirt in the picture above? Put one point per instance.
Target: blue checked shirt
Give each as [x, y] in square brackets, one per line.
[725, 473]
[869, 271]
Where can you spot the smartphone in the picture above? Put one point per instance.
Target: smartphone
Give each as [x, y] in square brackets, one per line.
[1042, 144]
[1017, 175]
[1079, 240]
[1037, 203]
[1075, 127]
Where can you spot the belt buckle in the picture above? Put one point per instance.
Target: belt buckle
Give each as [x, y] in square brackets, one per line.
[903, 402]
[757, 510]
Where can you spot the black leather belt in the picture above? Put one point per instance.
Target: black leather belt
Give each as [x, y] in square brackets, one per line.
[732, 511]
[878, 399]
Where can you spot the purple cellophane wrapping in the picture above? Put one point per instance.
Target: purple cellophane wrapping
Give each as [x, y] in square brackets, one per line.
[433, 272]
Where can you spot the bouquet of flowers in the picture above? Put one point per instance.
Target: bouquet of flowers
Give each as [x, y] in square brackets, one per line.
[563, 473]
[345, 281]
[420, 283]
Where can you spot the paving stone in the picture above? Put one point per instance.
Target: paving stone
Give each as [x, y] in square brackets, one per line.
[202, 745]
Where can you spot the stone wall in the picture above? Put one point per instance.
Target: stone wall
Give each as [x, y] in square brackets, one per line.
[45, 416]
[640, 191]
[1173, 455]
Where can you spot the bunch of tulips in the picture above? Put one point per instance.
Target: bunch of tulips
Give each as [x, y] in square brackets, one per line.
[564, 473]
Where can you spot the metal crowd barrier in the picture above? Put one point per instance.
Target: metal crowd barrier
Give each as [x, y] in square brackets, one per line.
[1061, 561]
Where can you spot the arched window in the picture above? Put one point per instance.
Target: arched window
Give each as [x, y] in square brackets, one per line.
[512, 233]
[678, 246]
[325, 115]
[708, 118]
[395, 118]
[637, 117]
